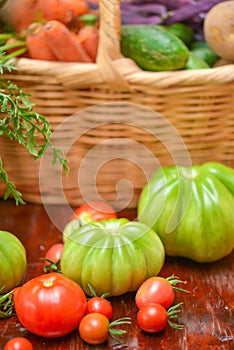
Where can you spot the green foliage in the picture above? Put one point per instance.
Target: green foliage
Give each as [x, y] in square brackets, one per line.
[22, 124]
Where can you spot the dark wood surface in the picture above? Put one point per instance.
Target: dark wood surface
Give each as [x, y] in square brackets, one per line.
[207, 312]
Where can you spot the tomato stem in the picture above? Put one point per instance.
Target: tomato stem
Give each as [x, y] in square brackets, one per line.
[6, 304]
[174, 280]
[173, 312]
[94, 294]
[115, 333]
[52, 266]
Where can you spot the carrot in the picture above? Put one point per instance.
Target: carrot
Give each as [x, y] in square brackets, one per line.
[88, 35]
[62, 10]
[21, 13]
[63, 44]
[36, 40]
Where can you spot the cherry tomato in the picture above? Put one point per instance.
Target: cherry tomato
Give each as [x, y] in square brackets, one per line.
[93, 211]
[155, 290]
[94, 328]
[53, 257]
[152, 318]
[100, 305]
[50, 305]
[18, 343]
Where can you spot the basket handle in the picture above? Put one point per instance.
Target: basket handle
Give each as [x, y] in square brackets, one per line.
[109, 53]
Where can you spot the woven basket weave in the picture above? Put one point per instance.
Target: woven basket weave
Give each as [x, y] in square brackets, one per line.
[115, 101]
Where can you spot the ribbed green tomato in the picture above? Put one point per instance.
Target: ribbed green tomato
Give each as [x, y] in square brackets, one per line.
[114, 256]
[191, 209]
[12, 261]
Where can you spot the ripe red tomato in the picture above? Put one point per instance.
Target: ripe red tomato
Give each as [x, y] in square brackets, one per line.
[155, 290]
[50, 305]
[18, 343]
[152, 318]
[94, 328]
[53, 257]
[93, 211]
[100, 305]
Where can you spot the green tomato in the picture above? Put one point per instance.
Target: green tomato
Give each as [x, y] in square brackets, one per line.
[114, 256]
[191, 209]
[12, 261]
[69, 228]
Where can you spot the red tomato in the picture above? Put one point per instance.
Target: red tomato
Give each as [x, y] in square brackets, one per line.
[54, 255]
[100, 305]
[93, 211]
[152, 318]
[50, 305]
[94, 328]
[18, 343]
[155, 290]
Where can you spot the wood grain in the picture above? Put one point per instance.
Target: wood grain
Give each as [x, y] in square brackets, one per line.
[207, 312]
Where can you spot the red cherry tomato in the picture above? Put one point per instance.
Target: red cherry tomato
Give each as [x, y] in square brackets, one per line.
[50, 305]
[94, 328]
[100, 305]
[155, 290]
[93, 211]
[152, 318]
[18, 343]
[54, 253]
[53, 257]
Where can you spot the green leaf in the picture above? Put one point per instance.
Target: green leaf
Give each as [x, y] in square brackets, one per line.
[21, 123]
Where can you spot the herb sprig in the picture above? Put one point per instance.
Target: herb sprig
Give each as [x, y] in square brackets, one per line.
[21, 123]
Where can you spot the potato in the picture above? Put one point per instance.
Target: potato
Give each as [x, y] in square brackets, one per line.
[219, 29]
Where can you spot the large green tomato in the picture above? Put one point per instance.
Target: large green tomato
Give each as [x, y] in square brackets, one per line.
[12, 261]
[114, 256]
[191, 209]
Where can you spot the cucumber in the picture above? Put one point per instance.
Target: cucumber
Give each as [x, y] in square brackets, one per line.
[153, 48]
[182, 31]
[195, 62]
[202, 50]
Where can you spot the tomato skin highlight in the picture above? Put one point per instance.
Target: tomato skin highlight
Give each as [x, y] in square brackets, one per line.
[155, 290]
[50, 305]
[100, 305]
[94, 328]
[18, 343]
[152, 318]
[93, 211]
[54, 253]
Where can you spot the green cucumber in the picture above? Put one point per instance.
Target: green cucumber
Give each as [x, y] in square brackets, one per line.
[153, 48]
[202, 50]
[182, 31]
[195, 62]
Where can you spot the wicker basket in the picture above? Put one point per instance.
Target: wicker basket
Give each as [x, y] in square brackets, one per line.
[105, 117]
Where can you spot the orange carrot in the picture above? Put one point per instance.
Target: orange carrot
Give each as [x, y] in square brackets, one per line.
[88, 35]
[63, 44]
[38, 47]
[62, 10]
[21, 13]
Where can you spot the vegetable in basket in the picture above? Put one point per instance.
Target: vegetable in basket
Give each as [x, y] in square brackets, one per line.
[191, 209]
[190, 12]
[19, 14]
[153, 48]
[218, 29]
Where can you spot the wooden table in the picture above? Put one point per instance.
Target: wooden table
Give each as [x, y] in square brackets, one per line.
[207, 312]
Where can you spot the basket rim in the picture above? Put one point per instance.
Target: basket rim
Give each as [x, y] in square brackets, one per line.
[113, 69]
